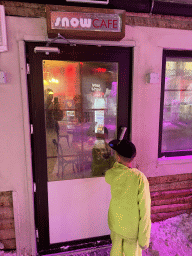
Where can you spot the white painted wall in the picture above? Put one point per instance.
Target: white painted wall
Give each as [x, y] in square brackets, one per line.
[15, 164]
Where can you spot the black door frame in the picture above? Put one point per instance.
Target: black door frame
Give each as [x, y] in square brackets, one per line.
[122, 55]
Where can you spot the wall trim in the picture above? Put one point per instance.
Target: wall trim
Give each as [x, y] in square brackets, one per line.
[123, 43]
[27, 139]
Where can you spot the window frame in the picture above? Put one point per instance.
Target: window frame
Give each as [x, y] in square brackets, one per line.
[166, 54]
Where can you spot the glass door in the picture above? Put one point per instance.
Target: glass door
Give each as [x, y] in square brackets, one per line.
[78, 101]
[80, 115]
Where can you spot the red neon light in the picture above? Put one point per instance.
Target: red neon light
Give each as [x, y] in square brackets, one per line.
[100, 70]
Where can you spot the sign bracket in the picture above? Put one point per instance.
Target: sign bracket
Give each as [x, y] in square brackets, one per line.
[59, 36]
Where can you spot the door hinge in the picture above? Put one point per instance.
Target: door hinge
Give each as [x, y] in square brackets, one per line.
[37, 233]
[34, 187]
[31, 128]
[28, 69]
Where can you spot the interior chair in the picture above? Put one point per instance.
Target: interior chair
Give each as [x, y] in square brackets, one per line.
[63, 162]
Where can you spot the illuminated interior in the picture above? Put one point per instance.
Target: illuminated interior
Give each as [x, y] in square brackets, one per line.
[80, 101]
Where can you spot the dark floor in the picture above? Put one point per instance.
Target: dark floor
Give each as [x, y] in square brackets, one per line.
[102, 251]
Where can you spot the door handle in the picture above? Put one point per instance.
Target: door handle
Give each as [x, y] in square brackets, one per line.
[122, 132]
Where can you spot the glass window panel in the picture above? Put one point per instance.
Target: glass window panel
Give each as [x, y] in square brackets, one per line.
[177, 112]
[80, 101]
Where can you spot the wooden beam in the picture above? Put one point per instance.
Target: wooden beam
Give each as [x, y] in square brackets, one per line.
[9, 244]
[175, 200]
[22, 9]
[169, 178]
[35, 10]
[6, 224]
[172, 186]
[170, 194]
[170, 208]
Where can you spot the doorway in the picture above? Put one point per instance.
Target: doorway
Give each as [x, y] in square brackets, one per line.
[78, 101]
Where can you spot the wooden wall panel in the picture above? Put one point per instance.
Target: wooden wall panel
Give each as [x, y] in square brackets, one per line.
[7, 229]
[171, 195]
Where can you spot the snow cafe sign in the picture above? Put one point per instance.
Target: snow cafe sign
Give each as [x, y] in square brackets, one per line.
[85, 23]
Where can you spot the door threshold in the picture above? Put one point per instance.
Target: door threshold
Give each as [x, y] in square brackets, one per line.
[86, 252]
[78, 247]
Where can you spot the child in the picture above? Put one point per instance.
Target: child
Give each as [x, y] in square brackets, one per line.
[129, 216]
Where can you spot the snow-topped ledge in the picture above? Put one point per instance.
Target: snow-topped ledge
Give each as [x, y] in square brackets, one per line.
[175, 160]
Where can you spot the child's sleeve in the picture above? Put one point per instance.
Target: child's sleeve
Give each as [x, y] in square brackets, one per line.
[108, 177]
[144, 202]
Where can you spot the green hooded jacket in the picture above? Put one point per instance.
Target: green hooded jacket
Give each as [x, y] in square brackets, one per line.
[129, 212]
